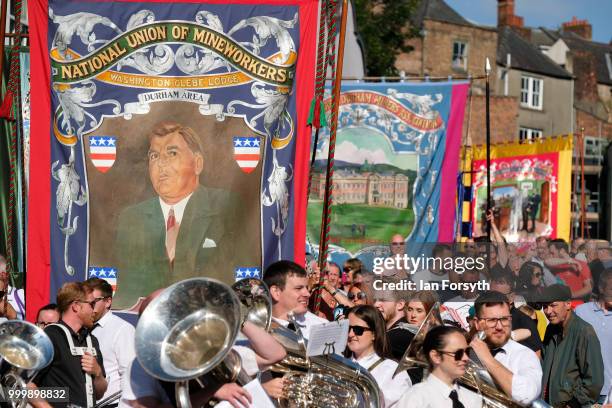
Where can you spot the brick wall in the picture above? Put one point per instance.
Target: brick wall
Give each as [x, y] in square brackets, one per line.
[504, 115]
[432, 54]
[592, 125]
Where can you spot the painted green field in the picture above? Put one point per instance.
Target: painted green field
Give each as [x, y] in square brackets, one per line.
[349, 220]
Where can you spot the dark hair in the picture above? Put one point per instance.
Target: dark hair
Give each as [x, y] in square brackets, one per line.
[526, 273]
[605, 276]
[367, 289]
[488, 299]
[559, 244]
[355, 264]
[435, 339]
[100, 284]
[163, 129]
[276, 274]
[375, 321]
[50, 306]
[504, 277]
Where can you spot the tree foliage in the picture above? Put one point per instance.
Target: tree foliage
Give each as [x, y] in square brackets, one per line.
[384, 27]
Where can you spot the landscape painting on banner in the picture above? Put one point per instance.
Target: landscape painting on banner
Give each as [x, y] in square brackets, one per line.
[529, 188]
[396, 161]
[174, 140]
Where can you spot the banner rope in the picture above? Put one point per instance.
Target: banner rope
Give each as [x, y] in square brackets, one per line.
[335, 58]
[7, 111]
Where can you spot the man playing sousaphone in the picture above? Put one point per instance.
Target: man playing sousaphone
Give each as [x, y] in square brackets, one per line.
[515, 368]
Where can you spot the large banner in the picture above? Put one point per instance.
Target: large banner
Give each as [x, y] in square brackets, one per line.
[396, 161]
[168, 141]
[530, 189]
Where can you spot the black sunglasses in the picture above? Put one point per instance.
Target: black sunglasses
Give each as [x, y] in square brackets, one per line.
[457, 354]
[2, 293]
[358, 330]
[353, 295]
[92, 303]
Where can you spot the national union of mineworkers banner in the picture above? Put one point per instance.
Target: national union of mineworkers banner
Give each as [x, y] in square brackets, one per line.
[530, 189]
[396, 163]
[169, 141]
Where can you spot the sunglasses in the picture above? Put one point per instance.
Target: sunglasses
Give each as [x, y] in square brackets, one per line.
[2, 293]
[353, 295]
[358, 330]
[42, 325]
[92, 303]
[347, 269]
[457, 354]
[398, 243]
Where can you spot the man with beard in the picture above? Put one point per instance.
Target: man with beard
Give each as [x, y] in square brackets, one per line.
[514, 368]
[116, 337]
[77, 361]
[392, 306]
[571, 347]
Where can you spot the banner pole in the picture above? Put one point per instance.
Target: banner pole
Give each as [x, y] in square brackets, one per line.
[488, 123]
[582, 193]
[333, 127]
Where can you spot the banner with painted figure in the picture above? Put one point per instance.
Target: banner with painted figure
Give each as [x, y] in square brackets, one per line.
[169, 141]
[530, 189]
[395, 168]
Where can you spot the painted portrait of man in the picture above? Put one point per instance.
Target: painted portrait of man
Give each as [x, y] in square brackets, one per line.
[174, 205]
[182, 230]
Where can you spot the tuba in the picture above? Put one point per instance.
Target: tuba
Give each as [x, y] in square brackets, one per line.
[322, 381]
[187, 331]
[25, 349]
[476, 377]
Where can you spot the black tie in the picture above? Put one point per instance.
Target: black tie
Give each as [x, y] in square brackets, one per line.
[291, 326]
[456, 403]
[497, 350]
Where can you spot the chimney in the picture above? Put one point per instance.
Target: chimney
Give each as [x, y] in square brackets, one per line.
[505, 14]
[580, 27]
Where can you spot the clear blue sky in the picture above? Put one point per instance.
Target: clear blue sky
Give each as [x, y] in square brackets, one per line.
[546, 13]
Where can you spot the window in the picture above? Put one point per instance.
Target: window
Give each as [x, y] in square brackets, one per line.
[609, 64]
[526, 134]
[531, 92]
[459, 55]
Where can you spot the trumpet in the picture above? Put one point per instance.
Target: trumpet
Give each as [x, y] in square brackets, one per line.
[25, 349]
[476, 377]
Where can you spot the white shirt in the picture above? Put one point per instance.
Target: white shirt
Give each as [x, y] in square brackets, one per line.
[458, 309]
[16, 298]
[305, 322]
[116, 338]
[525, 365]
[179, 209]
[139, 384]
[434, 393]
[392, 388]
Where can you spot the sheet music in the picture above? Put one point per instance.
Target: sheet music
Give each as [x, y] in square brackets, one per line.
[327, 338]
[258, 394]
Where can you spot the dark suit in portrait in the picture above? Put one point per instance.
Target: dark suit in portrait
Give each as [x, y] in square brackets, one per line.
[207, 245]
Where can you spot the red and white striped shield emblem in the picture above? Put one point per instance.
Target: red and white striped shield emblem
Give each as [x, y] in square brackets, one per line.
[246, 152]
[103, 151]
